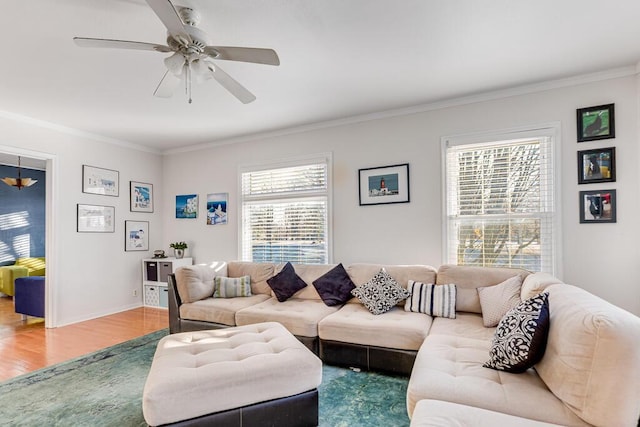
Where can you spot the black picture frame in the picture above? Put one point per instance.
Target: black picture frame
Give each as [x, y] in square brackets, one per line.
[384, 185]
[595, 123]
[597, 165]
[598, 206]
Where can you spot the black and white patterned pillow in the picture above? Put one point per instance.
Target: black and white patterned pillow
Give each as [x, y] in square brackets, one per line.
[521, 336]
[381, 293]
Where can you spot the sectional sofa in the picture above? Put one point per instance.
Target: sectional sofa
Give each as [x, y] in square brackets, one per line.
[587, 374]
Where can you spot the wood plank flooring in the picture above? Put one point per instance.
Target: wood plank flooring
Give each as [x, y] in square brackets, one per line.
[26, 346]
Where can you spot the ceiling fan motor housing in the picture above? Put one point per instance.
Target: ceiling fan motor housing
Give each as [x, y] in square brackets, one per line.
[199, 39]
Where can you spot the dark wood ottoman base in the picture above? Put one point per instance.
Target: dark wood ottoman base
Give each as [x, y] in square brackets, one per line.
[300, 410]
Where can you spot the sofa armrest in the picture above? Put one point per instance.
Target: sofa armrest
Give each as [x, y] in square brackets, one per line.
[174, 305]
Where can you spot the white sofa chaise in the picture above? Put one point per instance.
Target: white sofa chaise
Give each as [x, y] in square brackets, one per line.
[589, 374]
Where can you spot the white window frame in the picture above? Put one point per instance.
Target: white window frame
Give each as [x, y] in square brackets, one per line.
[550, 130]
[325, 157]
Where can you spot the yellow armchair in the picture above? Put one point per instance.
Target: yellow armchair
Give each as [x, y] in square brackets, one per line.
[22, 268]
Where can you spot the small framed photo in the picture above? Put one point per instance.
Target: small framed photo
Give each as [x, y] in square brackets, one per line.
[597, 206]
[217, 208]
[101, 181]
[136, 235]
[597, 165]
[141, 196]
[384, 184]
[596, 123]
[96, 219]
[187, 206]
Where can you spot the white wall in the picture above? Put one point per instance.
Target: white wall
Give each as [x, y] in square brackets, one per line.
[602, 258]
[91, 274]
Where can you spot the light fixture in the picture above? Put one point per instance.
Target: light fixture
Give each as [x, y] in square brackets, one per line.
[19, 181]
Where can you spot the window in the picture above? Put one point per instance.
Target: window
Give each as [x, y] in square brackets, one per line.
[286, 211]
[500, 198]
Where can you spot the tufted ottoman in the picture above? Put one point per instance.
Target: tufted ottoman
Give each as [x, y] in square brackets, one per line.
[253, 375]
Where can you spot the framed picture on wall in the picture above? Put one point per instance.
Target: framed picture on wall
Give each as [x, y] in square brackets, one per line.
[384, 184]
[597, 165]
[596, 123]
[597, 206]
[141, 196]
[217, 208]
[136, 235]
[96, 219]
[101, 181]
[187, 206]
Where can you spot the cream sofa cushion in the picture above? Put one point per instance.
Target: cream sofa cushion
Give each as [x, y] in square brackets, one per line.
[436, 413]
[219, 310]
[467, 325]
[450, 368]
[535, 283]
[467, 279]
[299, 316]
[195, 282]
[258, 271]
[592, 361]
[396, 328]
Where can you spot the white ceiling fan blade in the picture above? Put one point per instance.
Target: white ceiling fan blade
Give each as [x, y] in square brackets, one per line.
[243, 54]
[170, 18]
[167, 85]
[119, 44]
[230, 84]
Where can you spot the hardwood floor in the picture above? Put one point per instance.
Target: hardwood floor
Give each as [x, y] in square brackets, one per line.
[26, 346]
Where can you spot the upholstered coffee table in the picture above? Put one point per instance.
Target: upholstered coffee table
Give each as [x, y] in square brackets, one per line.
[250, 375]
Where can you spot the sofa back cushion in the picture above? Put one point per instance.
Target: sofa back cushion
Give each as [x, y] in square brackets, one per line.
[361, 273]
[468, 278]
[195, 282]
[535, 283]
[258, 271]
[592, 360]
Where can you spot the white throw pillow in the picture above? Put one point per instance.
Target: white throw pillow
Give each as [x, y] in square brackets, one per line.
[497, 300]
[434, 300]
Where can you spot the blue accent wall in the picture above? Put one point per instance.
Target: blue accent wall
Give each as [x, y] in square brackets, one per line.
[22, 216]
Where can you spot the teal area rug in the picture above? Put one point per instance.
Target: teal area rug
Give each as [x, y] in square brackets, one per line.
[105, 389]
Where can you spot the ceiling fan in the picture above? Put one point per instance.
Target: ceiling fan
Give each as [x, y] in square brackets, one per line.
[192, 53]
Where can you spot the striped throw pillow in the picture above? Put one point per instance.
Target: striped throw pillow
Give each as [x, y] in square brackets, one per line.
[434, 300]
[231, 287]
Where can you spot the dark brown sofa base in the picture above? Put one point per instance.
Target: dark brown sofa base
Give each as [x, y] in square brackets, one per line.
[370, 358]
[300, 410]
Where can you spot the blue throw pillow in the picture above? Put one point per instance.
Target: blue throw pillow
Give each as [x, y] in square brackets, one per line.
[286, 283]
[335, 286]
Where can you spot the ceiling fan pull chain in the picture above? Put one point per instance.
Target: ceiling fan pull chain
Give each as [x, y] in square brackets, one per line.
[188, 82]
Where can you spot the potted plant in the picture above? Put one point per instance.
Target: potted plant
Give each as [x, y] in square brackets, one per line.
[178, 248]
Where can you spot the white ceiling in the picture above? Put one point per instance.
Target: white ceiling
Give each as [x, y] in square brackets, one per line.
[338, 59]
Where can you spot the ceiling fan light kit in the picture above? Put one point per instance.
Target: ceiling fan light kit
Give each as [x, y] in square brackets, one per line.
[192, 52]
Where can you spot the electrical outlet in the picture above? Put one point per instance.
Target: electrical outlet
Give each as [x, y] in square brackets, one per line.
[135, 292]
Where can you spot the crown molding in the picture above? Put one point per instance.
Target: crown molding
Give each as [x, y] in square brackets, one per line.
[437, 105]
[73, 131]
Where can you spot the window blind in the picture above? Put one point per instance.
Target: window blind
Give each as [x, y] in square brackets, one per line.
[500, 204]
[285, 214]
